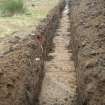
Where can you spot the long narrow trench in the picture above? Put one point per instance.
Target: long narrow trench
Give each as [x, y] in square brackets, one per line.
[59, 84]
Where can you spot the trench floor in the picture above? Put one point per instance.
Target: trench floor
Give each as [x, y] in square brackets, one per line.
[59, 84]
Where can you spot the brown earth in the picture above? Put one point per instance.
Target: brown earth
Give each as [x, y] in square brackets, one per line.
[88, 44]
[22, 62]
[22, 59]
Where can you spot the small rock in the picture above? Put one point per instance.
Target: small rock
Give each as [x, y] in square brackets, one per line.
[32, 34]
[37, 59]
[84, 43]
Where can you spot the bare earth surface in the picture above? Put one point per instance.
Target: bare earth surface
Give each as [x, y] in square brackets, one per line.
[59, 84]
[88, 42]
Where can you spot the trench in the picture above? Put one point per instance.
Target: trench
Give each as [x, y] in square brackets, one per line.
[59, 83]
[70, 70]
[24, 77]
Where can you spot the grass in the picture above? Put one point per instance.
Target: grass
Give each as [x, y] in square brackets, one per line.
[28, 20]
[11, 7]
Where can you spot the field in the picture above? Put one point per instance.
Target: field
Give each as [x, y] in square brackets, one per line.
[36, 10]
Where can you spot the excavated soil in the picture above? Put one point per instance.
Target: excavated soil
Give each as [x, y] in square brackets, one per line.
[74, 73]
[22, 62]
[59, 84]
[88, 45]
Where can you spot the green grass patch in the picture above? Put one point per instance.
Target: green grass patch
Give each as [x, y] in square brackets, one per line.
[11, 7]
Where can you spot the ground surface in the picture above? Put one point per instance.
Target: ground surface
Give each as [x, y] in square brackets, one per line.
[21, 63]
[36, 10]
[59, 84]
[88, 40]
[87, 54]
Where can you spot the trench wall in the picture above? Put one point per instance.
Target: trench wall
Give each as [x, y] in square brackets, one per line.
[22, 62]
[88, 45]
